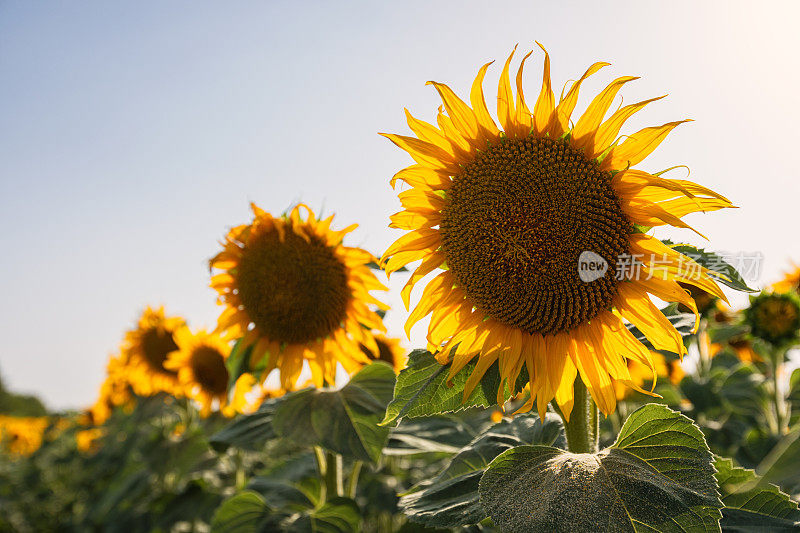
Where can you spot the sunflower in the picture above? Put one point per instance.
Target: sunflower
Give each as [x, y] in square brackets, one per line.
[200, 365]
[775, 318]
[295, 293]
[21, 436]
[389, 350]
[147, 347]
[86, 439]
[741, 347]
[513, 215]
[115, 391]
[790, 281]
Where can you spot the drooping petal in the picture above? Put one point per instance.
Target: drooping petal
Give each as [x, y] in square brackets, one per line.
[608, 130]
[638, 146]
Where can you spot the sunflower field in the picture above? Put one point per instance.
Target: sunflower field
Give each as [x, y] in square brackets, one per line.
[581, 373]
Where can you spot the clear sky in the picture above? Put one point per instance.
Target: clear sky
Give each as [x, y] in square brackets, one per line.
[133, 134]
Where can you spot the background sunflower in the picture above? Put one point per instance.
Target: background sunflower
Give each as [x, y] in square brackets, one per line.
[146, 348]
[295, 293]
[199, 363]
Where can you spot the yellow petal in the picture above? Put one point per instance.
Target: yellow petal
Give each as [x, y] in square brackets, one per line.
[543, 112]
[584, 131]
[420, 176]
[459, 112]
[524, 119]
[567, 105]
[505, 99]
[485, 122]
[638, 146]
[424, 153]
[608, 130]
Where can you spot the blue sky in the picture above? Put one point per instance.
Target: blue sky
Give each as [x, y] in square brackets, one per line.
[134, 134]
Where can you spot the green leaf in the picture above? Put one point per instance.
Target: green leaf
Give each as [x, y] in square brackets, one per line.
[781, 466]
[751, 505]
[451, 498]
[722, 271]
[238, 362]
[658, 476]
[744, 392]
[338, 515]
[428, 435]
[249, 432]
[422, 388]
[344, 421]
[243, 513]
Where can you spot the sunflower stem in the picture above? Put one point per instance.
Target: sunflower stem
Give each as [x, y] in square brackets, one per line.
[583, 427]
[352, 481]
[333, 476]
[703, 348]
[778, 399]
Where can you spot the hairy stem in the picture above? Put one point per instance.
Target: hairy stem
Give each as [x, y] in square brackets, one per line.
[583, 427]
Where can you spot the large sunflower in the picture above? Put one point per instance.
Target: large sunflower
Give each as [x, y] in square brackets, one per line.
[147, 347]
[296, 293]
[510, 213]
[200, 364]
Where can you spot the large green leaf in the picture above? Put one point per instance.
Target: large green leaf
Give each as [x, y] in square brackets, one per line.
[658, 476]
[422, 388]
[245, 512]
[451, 498]
[344, 421]
[752, 505]
[722, 271]
[249, 432]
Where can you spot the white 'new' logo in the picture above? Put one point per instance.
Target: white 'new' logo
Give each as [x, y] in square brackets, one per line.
[591, 266]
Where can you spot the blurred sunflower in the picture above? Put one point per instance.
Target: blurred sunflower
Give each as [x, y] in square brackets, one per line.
[790, 281]
[147, 347]
[115, 391]
[511, 213]
[775, 318]
[248, 395]
[389, 350]
[86, 440]
[296, 293]
[21, 436]
[741, 347]
[200, 365]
